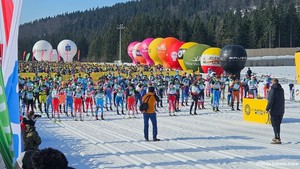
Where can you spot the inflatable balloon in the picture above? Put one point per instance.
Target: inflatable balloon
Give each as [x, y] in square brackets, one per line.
[137, 54]
[210, 59]
[163, 47]
[152, 51]
[233, 59]
[181, 52]
[54, 55]
[41, 50]
[144, 51]
[134, 51]
[192, 57]
[172, 55]
[67, 49]
[129, 51]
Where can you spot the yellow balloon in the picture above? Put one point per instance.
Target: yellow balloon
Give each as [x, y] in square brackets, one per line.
[212, 51]
[210, 59]
[181, 52]
[152, 51]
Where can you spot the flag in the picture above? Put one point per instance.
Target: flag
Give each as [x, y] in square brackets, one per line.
[43, 53]
[32, 58]
[27, 57]
[9, 30]
[1, 48]
[6, 144]
[51, 53]
[78, 55]
[24, 54]
[58, 56]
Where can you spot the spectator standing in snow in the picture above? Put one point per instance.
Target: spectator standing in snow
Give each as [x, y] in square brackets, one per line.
[276, 108]
[292, 97]
[249, 72]
[266, 83]
[150, 114]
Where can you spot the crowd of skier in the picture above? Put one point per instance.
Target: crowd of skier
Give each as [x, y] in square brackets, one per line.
[81, 95]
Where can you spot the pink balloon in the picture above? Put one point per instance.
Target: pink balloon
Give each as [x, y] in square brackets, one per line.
[129, 51]
[172, 55]
[144, 51]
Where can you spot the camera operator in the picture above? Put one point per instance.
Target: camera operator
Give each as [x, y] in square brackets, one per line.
[30, 118]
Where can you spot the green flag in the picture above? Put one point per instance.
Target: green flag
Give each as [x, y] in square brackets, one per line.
[6, 143]
[27, 57]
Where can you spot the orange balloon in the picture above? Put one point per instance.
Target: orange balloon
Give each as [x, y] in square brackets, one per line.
[163, 47]
[139, 56]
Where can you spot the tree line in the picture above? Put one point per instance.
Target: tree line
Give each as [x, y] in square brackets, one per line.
[252, 24]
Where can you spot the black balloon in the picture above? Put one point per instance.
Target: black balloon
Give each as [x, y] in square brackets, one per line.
[233, 59]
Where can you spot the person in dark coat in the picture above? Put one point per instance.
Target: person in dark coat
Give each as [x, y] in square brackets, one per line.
[249, 72]
[49, 158]
[275, 107]
[32, 139]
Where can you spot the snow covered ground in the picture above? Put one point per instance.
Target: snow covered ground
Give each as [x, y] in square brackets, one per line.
[288, 72]
[208, 140]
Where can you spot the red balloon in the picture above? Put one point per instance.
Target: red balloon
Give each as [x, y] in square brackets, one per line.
[172, 55]
[163, 47]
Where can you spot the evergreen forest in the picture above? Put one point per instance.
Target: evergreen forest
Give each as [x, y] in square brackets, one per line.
[250, 23]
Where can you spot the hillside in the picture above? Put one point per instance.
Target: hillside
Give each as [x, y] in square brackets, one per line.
[253, 24]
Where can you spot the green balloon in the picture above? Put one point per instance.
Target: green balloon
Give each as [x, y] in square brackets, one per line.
[192, 57]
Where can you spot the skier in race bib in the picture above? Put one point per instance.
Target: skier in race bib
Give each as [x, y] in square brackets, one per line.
[55, 103]
[29, 99]
[69, 99]
[171, 92]
[235, 88]
[195, 96]
[99, 101]
[216, 86]
[62, 97]
[78, 103]
[201, 86]
[130, 92]
[120, 99]
[108, 96]
[89, 93]
[43, 96]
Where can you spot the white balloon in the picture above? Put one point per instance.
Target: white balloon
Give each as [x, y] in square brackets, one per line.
[67, 49]
[54, 55]
[135, 51]
[41, 50]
